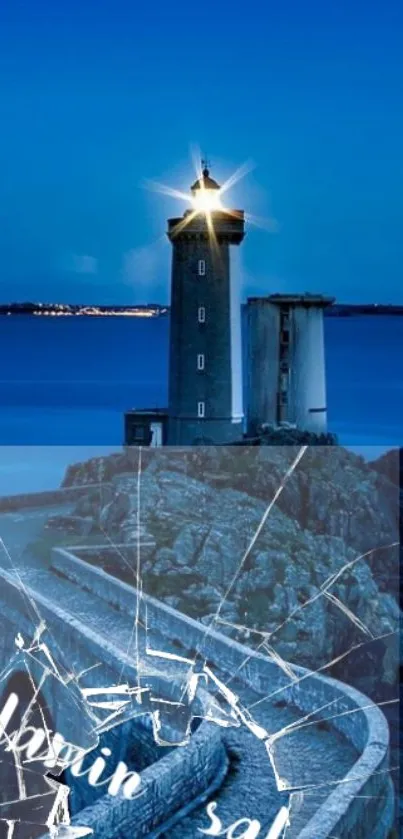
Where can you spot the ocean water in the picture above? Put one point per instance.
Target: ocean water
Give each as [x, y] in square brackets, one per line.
[66, 382]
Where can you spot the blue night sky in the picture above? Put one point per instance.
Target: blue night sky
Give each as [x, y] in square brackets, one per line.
[98, 97]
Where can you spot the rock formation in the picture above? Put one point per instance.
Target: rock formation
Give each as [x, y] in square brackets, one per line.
[202, 508]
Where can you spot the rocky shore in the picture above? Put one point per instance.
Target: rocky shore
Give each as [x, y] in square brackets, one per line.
[336, 517]
[201, 507]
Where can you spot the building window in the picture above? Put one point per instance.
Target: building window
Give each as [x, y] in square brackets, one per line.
[200, 410]
[201, 316]
[200, 361]
[201, 269]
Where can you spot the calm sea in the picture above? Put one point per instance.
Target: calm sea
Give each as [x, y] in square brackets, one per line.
[67, 381]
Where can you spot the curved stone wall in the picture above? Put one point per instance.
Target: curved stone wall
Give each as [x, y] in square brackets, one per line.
[168, 784]
[361, 808]
[166, 787]
[46, 498]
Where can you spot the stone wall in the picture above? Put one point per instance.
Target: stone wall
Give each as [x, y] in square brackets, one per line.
[360, 809]
[52, 497]
[168, 785]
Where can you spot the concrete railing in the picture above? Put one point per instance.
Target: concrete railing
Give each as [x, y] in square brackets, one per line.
[47, 498]
[361, 807]
[168, 785]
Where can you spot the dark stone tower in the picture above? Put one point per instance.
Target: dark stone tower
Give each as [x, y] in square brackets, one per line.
[205, 366]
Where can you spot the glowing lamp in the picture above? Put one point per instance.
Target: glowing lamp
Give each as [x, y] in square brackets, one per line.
[206, 193]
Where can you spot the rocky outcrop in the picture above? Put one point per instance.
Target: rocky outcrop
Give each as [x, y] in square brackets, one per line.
[203, 509]
[268, 434]
[390, 466]
[336, 518]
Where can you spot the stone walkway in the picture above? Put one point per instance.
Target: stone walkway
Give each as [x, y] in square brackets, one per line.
[249, 790]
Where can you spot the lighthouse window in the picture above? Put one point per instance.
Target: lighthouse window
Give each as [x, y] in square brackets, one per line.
[201, 314]
[200, 409]
[201, 268]
[200, 361]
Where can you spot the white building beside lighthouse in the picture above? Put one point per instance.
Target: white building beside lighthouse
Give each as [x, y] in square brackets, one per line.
[286, 377]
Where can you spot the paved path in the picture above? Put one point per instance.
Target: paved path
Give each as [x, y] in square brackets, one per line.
[249, 789]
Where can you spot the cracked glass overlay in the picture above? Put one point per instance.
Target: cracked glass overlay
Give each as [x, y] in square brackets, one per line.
[204, 595]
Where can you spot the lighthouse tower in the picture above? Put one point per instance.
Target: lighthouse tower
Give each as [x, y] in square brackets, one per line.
[205, 367]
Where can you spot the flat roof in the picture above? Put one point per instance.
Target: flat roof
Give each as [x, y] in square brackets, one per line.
[303, 299]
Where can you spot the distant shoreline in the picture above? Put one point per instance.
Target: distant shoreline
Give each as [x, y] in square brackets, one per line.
[342, 310]
[158, 310]
[68, 310]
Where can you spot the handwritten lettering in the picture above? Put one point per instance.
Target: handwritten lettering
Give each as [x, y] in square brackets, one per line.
[30, 739]
[252, 827]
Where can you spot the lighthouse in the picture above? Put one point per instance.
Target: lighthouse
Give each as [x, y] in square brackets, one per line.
[205, 356]
[284, 356]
